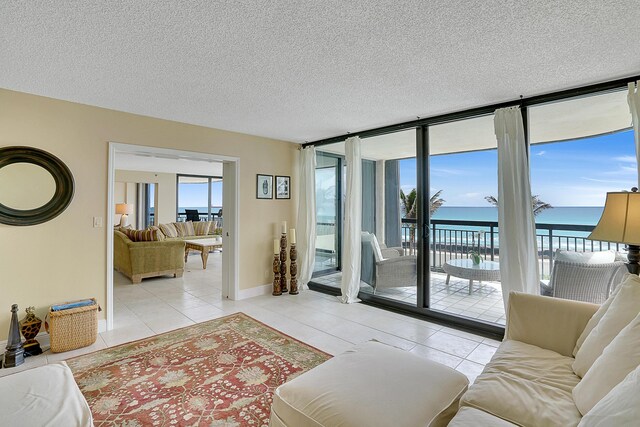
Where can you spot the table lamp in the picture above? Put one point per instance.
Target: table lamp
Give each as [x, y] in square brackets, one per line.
[125, 209]
[620, 223]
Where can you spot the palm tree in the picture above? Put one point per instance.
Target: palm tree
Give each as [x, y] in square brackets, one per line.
[409, 206]
[537, 204]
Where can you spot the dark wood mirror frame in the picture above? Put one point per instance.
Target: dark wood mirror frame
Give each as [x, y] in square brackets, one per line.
[61, 175]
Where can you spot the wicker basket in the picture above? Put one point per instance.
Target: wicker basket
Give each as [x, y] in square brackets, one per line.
[73, 328]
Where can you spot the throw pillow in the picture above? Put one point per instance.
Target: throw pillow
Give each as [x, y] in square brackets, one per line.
[160, 235]
[201, 228]
[620, 407]
[600, 257]
[169, 230]
[184, 229]
[213, 225]
[617, 360]
[597, 316]
[147, 235]
[622, 310]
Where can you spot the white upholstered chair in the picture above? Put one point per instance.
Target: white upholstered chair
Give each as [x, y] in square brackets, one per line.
[384, 267]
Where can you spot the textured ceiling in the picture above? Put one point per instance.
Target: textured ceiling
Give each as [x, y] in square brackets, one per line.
[302, 70]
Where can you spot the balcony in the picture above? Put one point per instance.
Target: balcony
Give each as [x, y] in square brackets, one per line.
[451, 239]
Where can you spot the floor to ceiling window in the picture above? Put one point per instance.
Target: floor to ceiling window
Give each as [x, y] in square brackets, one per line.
[430, 196]
[199, 198]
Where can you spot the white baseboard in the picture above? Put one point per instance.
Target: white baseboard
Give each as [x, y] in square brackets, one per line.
[256, 291]
[102, 327]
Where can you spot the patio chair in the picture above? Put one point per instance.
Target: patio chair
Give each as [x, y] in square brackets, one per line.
[192, 215]
[583, 282]
[383, 267]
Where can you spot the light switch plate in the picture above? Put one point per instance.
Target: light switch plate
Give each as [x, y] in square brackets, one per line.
[97, 221]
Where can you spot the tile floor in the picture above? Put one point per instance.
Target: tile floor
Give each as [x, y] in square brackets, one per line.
[162, 304]
[484, 303]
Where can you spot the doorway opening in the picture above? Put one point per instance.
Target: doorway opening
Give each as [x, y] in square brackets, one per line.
[147, 176]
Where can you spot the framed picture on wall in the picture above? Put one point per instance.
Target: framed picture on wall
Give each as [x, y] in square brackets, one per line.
[283, 187]
[264, 186]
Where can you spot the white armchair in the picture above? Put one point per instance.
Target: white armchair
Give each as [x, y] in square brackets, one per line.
[384, 267]
[584, 282]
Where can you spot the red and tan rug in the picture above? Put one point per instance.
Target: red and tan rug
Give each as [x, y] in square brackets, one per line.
[218, 373]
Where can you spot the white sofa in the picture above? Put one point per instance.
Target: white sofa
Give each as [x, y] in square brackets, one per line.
[43, 396]
[532, 380]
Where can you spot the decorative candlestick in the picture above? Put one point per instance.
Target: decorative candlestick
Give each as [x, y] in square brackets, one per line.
[277, 290]
[293, 268]
[283, 259]
[14, 356]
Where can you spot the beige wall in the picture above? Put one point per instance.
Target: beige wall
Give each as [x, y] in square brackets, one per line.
[166, 191]
[65, 259]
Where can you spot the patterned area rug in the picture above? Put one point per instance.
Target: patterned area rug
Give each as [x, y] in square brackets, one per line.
[218, 373]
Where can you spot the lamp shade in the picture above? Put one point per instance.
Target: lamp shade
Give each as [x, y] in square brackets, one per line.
[620, 221]
[124, 208]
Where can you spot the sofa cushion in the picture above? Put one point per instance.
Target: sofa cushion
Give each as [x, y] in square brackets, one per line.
[472, 417]
[623, 309]
[614, 364]
[620, 407]
[169, 230]
[184, 229]
[526, 385]
[201, 228]
[371, 385]
[148, 235]
[596, 317]
[43, 396]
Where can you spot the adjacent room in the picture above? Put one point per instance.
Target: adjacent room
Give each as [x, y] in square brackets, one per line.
[292, 214]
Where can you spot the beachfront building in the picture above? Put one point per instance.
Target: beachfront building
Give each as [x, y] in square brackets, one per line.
[451, 183]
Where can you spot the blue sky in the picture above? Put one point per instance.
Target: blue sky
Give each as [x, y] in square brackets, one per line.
[195, 194]
[572, 173]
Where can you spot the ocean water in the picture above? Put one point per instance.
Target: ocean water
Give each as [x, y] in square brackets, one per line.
[577, 215]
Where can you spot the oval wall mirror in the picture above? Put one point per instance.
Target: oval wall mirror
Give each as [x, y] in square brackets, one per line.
[35, 186]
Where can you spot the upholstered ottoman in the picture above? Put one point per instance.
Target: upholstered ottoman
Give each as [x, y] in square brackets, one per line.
[43, 396]
[371, 385]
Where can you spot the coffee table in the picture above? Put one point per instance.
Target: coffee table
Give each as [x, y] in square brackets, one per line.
[466, 269]
[203, 246]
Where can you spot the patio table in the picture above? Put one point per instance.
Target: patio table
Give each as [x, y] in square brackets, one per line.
[466, 269]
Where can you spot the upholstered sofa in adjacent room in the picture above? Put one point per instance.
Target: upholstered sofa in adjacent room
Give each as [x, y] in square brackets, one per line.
[139, 260]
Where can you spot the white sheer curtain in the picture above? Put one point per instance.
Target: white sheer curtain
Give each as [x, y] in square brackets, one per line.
[306, 224]
[634, 105]
[352, 223]
[517, 228]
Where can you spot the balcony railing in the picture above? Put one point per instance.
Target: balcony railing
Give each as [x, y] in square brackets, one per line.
[455, 239]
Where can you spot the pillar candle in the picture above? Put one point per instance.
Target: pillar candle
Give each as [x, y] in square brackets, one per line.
[292, 236]
[284, 227]
[276, 246]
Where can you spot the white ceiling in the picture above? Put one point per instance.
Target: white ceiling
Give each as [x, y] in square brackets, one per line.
[302, 70]
[157, 162]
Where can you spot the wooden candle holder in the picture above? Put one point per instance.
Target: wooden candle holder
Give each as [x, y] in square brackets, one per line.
[283, 262]
[293, 269]
[276, 276]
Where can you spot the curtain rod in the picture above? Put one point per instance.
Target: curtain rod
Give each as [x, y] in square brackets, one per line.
[479, 111]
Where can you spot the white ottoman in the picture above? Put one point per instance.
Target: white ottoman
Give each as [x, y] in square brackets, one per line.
[371, 385]
[43, 396]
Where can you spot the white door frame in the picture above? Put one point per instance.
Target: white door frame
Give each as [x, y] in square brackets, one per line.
[230, 191]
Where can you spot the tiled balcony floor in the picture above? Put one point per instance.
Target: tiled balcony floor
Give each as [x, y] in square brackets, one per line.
[484, 303]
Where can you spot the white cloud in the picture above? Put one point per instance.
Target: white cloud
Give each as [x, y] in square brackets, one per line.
[447, 172]
[625, 159]
[541, 153]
